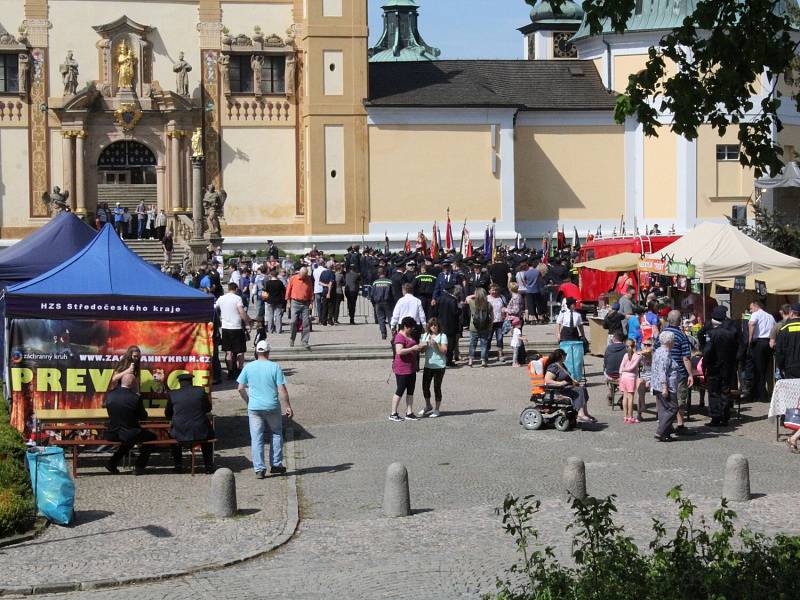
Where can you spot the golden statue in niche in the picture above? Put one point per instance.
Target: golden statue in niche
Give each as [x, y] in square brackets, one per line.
[125, 62]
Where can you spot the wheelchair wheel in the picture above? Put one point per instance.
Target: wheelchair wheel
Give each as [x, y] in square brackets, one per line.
[563, 423]
[531, 419]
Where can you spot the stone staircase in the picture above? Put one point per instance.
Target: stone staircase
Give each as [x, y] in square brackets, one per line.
[127, 195]
[152, 251]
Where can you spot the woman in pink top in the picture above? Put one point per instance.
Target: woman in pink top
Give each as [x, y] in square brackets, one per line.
[628, 374]
[404, 367]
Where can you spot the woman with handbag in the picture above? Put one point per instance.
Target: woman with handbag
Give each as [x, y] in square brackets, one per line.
[572, 339]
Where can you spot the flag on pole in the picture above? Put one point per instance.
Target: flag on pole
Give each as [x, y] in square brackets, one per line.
[561, 239]
[546, 248]
[518, 242]
[470, 249]
[576, 239]
[407, 246]
[435, 240]
[494, 241]
[439, 246]
[422, 242]
[386, 243]
[448, 236]
[466, 243]
[487, 243]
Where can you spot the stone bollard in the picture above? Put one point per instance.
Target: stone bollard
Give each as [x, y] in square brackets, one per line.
[222, 497]
[737, 479]
[574, 479]
[396, 499]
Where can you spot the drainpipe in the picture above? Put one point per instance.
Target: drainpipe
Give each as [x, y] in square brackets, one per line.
[608, 63]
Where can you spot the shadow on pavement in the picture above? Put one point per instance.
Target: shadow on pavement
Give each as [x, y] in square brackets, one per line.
[154, 530]
[322, 470]
[462, 413]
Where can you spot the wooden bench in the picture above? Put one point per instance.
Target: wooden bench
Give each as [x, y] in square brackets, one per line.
[77, 444]
[94, 419]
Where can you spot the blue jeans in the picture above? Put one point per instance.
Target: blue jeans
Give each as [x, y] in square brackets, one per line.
[260, 421]
[485, 339]
[140, 228]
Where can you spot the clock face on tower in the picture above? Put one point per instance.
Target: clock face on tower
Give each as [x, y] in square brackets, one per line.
[562, 47]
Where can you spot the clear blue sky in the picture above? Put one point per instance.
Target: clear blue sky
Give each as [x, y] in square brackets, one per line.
[466, 28]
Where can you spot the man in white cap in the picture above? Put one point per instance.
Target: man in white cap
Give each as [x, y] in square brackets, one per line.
[262, 385]
[119, 221]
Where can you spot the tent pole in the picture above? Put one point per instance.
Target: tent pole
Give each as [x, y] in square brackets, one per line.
[703, 288]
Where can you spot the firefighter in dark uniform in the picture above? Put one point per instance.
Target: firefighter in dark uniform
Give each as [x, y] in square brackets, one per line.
[424, 285]
[787, 346]
[383, 299]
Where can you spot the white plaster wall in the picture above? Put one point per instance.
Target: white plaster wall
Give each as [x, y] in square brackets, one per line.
[12, 13]
[14, 180]
[56, 155]
[242, 17]
[258, 172]
[175, 30]
[334, 174]
[333, 80]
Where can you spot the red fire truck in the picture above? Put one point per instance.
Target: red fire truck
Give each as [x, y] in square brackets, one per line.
[594, 283]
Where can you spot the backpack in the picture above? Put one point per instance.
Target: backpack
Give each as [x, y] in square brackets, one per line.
[482, 319]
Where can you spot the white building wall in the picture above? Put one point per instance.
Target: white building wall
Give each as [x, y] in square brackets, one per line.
[241, 17]
[14, 177]
[259, 169]
[12, 13]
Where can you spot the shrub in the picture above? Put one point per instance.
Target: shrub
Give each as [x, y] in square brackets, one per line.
[17, 510]
[700, 561]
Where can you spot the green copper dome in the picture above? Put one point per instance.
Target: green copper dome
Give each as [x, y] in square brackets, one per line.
[401, 40]
[544, 12]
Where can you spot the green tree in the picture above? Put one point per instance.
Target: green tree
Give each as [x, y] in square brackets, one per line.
[721, 50]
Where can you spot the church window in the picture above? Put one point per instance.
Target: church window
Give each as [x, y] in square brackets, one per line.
[9, 73]
[727, 152]
[562, 46]
[273, 74]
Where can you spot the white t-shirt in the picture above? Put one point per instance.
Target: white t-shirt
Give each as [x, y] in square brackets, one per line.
[764, 323]
[563, 318]
[236, 277]
[516, 333]
[228, 305]
[318, 289]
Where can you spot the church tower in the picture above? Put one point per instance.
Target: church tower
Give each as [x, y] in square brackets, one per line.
[401, 40]
[333, 35]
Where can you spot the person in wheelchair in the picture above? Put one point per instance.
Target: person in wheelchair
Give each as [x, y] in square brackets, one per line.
[558, 376]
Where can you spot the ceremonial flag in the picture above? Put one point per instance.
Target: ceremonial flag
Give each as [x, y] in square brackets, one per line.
[561, 239]
[487, 243]
[576, 240]
[422, 242]
[439, 246]
[494, 241]
[386, 243]
[470, 250]
[435, 240]
[407, 246]
[466, 243]
[546, 248]
[517, 242]
[448, 236]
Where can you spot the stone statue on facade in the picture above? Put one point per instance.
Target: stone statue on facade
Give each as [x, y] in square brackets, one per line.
[224, 63]
[214, 209]
[23, 62]
[197, 143]
[125, 62]
[257, 62]
[56, 201]
[181, 69]
[69, 74]
[291, 75]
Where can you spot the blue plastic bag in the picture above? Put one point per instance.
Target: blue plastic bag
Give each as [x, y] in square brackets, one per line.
[52, 484]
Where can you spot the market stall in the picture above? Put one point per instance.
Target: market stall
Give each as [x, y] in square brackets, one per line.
[68, 327]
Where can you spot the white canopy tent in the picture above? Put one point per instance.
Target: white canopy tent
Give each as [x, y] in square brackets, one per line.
[720, 251]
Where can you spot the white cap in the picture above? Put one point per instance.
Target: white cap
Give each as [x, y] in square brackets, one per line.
[263, 346]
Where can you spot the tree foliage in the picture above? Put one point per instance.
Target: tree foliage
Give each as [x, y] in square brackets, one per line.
[773, 229]
[708, 70]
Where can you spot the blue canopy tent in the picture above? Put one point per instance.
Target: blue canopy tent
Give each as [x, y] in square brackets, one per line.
[106, 280]
[69, 326]
[47, 247]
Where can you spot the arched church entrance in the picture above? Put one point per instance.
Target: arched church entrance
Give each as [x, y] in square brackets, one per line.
[126, 162]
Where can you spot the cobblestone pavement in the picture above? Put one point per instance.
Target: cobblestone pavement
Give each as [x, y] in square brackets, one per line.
[460, 468]
[146, 526]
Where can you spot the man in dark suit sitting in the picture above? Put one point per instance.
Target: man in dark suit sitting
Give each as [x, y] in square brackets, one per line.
[125, 409]
[188, 408]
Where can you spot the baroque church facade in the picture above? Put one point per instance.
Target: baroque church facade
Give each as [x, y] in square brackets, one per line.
[316, 137]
